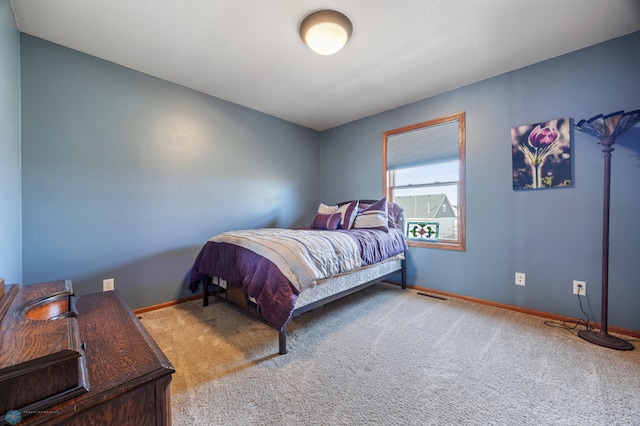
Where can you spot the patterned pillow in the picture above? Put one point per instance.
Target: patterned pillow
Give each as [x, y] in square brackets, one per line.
[348, 212]
[373, 217]
[328, 222]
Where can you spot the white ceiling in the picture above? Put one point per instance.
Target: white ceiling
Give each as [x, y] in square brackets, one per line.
[249, 52]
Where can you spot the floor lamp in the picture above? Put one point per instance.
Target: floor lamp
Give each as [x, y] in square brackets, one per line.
[607, 128]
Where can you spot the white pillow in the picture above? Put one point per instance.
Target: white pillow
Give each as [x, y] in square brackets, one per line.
[324, 209]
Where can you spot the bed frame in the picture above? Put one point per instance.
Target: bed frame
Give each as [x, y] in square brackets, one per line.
[233, 294]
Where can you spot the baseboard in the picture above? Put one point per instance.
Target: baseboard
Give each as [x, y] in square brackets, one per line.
[166, 304]
[541, 314]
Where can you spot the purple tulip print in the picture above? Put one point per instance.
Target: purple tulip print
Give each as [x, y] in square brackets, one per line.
[542, 154]
[543, 137]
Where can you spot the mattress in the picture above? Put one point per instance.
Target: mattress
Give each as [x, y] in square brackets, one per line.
[343, 282]
[339, 283]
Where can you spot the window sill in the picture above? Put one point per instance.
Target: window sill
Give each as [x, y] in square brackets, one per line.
[454, 246]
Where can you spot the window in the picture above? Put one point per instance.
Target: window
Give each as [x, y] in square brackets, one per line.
[424, 173]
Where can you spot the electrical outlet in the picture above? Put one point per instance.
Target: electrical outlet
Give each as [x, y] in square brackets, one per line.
[108, 284]
[580, 288]
[520, 278]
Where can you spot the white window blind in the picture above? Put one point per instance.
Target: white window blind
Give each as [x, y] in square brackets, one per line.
[430, 144]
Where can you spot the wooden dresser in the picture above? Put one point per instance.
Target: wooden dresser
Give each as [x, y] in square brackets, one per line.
[78, 360]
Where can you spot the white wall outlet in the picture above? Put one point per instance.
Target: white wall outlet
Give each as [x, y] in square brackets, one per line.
[520, 278]
[580, 288]
[108, 284]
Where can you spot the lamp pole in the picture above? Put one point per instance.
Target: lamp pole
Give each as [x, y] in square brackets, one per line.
[606, 129]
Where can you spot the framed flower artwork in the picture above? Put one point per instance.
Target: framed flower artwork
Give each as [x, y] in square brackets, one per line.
[541, 154]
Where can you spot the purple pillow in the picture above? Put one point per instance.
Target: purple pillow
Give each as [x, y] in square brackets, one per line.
[348, 212]
[373, 217]
[328, 222]
[395, 215]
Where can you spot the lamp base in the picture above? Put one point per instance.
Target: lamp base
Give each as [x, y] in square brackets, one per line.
[606, 340]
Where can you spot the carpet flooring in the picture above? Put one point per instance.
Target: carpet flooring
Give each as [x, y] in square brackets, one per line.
[387, 356]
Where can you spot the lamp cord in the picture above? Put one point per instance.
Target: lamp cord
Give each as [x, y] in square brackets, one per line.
[586, 323]
[573, 325]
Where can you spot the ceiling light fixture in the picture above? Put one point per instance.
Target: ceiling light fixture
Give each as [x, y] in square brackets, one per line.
[325, 31]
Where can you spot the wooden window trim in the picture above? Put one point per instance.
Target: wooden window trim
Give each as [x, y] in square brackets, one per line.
[461, 244]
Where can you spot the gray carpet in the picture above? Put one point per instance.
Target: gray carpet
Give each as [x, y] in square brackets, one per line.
[387, 356]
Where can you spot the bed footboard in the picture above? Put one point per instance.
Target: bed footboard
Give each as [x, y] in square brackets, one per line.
[230, 295]
[282, 340]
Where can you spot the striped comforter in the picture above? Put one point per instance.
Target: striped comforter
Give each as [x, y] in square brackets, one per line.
[303, 257]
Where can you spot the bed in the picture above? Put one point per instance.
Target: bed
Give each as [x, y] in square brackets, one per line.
[276, 274]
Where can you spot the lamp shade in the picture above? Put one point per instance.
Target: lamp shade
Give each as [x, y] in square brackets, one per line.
[326, 31]
[609, 126]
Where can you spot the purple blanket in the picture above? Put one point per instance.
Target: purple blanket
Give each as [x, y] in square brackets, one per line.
[263, 281]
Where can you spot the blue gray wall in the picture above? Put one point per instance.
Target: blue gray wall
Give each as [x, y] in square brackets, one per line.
[10, 216]
[126, 176]
[554, 235]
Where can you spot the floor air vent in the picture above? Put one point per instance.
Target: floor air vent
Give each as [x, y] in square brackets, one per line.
[432, 295]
